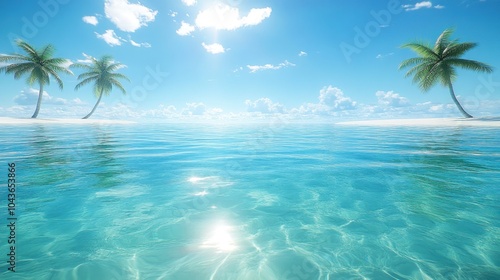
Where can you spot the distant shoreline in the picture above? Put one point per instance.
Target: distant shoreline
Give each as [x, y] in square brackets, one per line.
[15, 121]
[431, 122]
[484, 122]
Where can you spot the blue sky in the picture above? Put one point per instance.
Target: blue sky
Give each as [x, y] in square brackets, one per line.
[230, 59]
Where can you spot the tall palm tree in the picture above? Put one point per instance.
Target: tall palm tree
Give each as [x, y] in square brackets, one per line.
[39, 65]
[437, 64]
[102, 73]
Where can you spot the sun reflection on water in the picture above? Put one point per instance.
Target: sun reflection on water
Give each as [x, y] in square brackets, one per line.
[220, 238]
[196, 179]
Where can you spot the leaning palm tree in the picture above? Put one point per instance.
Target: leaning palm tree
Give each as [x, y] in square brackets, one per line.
[39, 65]
[437, 64]
[102, 74]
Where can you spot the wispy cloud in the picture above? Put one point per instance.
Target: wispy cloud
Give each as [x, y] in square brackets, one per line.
[302, 53]
[381, 56]
[110, 38]
[255, 68]
[421, 5]
[88, 59]
[90, 20]
[128, 17]
[224, 17]
[214, 48]
[135, 44]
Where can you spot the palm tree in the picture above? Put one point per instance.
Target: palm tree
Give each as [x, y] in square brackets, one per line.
[437, 64]
[39, 65]
[102, 74]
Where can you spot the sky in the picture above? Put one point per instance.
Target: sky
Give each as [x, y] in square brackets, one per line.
[244, 59]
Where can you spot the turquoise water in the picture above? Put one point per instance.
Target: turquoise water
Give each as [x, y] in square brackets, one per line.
[269, 201]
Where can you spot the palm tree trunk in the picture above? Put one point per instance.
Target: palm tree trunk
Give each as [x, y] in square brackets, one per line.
[39, 102]
[452, 93]
[95, 106]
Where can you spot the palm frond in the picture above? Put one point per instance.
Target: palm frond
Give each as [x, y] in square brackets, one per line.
[421, 49]
[81, 66]
[457, 50]
[412, 61]
[443, 40]
[470, 65]
[84, 82]
[21, 70]
[418, 71]
[27, 48]
[46, 53]
[119, 76]
[88, 75]
[429, 79]
[118, 85]
[54, 74]
[38, 75]
[13, 57]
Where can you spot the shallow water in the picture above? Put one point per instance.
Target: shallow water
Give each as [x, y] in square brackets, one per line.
[269, 201]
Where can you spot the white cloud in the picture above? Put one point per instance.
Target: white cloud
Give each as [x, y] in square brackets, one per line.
[90, 20]
[135, 44]
[302, 53]
[185, 29]
[255, 68]
[189, 2]
[110, 38]
[195, 108]
[173, 14]
[439, 7]
[30, 97]
[391, 99]
[78, 101]
[88, 59]
[225, 17]
[264, 105]
[214, 48]
[331, 101]
[128, 17]
[334, 98]
[417, 6]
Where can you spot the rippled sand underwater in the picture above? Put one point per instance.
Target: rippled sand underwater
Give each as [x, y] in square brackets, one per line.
[167, 201]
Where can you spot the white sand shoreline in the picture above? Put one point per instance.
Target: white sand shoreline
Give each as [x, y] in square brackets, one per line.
[440, 122]
[430, 122]
[22, 121]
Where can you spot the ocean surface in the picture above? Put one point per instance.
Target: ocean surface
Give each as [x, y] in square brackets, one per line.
[266, 201]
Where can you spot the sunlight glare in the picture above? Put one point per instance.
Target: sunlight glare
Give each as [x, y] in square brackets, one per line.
[220, 239]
